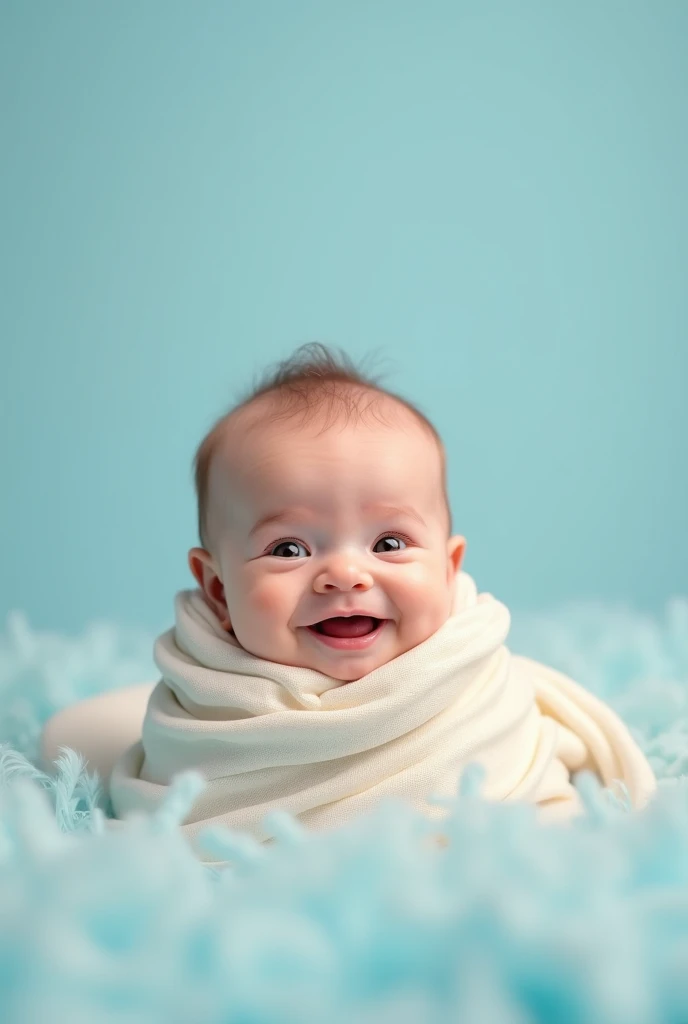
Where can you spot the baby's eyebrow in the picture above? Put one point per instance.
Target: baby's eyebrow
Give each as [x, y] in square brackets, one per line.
[285, 514]
[376, 507]
[394, 510]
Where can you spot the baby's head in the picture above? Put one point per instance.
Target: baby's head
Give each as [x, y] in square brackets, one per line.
[323, 497]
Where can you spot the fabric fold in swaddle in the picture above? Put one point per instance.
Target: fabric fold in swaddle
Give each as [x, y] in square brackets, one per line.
[268, 736]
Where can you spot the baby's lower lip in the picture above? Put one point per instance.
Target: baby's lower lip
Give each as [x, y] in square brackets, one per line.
[349, 643]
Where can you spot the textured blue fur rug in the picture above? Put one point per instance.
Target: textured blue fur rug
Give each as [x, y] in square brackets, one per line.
[513, 923]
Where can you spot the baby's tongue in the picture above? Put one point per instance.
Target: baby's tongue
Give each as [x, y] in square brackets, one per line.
[351, 625]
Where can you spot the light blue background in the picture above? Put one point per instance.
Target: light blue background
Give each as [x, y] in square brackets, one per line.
[492, 195]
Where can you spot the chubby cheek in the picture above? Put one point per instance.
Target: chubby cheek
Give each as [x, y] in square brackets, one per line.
[269, 598]
[424, 607]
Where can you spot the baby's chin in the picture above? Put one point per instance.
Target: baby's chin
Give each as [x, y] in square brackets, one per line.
[349, 673]
[345, 668]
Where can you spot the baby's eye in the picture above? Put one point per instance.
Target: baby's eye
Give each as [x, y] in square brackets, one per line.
[289, 549]
[392, 543]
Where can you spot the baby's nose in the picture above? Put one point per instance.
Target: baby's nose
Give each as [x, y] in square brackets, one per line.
[342, 573]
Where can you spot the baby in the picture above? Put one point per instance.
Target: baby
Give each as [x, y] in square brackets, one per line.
[334, 652]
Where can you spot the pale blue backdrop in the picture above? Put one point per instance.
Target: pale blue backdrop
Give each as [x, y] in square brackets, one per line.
[493, 195]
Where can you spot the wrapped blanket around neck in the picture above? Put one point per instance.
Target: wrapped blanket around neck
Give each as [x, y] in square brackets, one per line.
[268, 736]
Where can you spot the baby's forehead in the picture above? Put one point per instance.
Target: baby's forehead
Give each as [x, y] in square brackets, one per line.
[262, 452]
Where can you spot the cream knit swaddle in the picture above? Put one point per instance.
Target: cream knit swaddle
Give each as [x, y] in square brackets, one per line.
[268, 736]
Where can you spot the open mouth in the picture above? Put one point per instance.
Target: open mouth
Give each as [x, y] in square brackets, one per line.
[346, 625]
[349, 632]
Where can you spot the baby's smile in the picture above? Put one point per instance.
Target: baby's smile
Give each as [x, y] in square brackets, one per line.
[331, 548]
[354, 632]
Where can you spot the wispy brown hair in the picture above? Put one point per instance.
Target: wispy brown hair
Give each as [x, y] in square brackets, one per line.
[313, 381]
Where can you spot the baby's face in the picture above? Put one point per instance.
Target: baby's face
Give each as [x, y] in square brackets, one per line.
[307, 528]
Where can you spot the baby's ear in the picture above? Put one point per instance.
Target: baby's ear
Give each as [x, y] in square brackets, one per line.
[456, 547]
[204, 570]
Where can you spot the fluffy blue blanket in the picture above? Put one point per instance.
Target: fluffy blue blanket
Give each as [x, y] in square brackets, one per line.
[514, 922]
